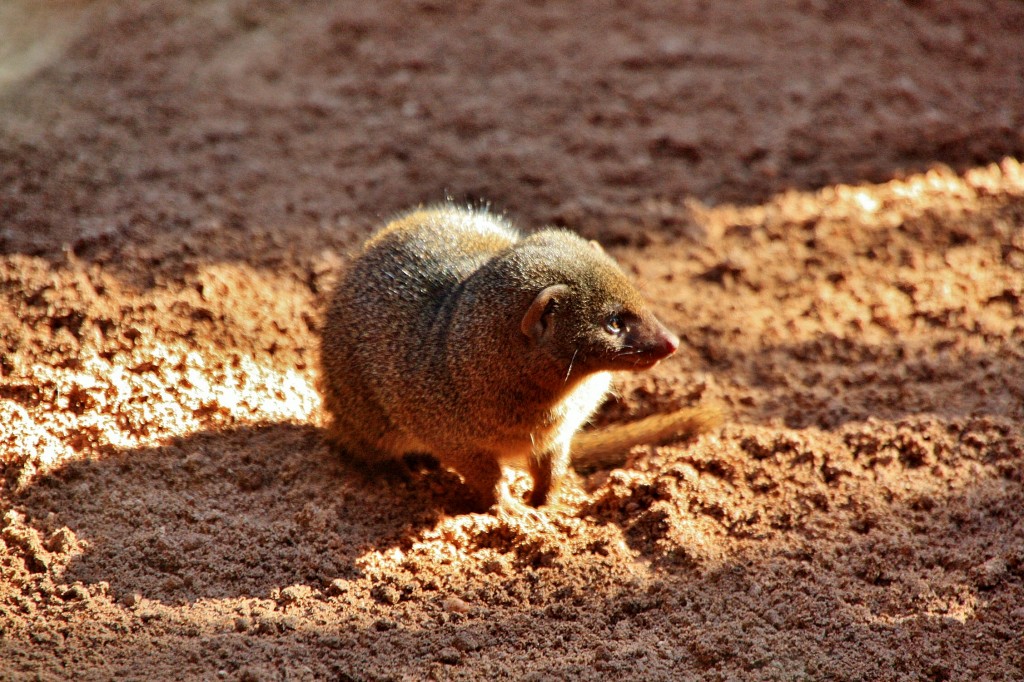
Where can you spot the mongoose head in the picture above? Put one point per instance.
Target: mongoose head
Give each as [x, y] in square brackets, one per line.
[588, 315]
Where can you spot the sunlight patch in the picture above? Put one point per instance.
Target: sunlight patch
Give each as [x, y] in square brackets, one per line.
[173, 393]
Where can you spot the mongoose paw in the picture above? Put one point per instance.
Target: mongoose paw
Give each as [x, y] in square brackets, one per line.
[511, 508]
[518, 512]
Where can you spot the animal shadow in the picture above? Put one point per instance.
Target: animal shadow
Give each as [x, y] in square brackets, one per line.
[233, 513]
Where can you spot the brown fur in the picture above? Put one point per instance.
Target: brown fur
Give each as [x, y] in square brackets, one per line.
[452, 334]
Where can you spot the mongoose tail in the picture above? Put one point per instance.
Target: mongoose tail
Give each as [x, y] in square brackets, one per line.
[608, 447]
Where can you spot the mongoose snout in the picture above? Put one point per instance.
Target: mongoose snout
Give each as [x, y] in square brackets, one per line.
[482, 346]
[648, 344]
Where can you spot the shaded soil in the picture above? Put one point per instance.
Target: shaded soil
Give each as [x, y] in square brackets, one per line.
[824, 202]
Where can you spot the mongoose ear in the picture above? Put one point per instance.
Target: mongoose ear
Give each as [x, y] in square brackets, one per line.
[534, 322]
[596, 245]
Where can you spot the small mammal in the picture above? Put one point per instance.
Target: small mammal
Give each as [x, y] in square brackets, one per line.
[453, 334]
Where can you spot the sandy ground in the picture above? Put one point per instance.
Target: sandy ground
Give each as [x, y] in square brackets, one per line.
[823, 202]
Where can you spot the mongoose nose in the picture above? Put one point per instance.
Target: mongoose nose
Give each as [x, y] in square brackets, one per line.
[662, 345]
[669, 344]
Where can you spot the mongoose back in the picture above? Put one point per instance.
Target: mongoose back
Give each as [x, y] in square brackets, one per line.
[453, 334]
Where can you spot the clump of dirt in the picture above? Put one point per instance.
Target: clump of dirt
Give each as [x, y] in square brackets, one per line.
[825, 202]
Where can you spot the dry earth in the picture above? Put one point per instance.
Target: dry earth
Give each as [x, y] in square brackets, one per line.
[822, 198]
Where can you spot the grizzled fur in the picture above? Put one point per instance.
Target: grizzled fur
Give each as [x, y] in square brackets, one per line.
[453, 334]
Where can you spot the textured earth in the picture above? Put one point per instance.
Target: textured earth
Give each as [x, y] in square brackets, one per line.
[823, 199]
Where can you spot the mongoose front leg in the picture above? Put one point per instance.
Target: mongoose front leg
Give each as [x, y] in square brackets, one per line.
[547, 469]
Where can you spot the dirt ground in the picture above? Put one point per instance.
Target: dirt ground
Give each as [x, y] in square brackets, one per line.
[823, 199]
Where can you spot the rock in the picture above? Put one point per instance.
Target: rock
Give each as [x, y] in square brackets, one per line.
[62, 541]
[385, 594]
[294, 593]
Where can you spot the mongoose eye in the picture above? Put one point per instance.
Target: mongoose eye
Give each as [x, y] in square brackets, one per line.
[614, 325]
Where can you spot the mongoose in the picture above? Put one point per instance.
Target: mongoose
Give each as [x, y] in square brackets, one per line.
[453, 334]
